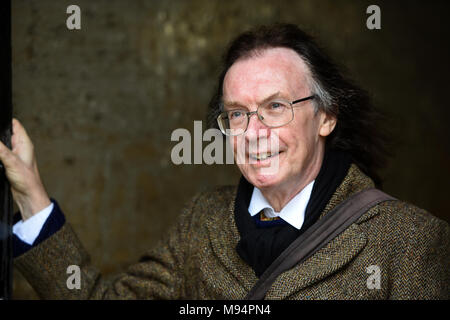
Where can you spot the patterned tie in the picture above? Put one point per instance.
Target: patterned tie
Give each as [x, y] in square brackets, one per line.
[263, 217]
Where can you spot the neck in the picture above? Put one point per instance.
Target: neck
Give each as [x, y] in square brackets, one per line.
[279, 196]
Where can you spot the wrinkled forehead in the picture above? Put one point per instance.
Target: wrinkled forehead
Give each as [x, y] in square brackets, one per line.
[264, 73]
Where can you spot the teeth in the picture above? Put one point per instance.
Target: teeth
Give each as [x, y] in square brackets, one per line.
[262, 156]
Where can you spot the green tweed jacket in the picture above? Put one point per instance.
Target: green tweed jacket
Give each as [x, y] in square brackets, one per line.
[197, 259]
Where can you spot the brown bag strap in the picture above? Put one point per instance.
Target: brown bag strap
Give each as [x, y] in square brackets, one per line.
[317, 236]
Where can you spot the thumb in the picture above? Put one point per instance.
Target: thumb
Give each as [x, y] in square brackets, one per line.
[21, 143]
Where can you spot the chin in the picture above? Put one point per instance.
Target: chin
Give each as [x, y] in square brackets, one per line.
[263, 181]
[264, 174]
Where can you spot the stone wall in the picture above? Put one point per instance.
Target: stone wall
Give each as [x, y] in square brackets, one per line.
[100, 103]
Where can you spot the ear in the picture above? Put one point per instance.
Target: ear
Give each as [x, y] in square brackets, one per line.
[328, 122]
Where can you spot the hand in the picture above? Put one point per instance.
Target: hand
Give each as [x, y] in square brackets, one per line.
[22, 172]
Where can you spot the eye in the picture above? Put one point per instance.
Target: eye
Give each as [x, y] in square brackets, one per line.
[236, 114]
[276, 105]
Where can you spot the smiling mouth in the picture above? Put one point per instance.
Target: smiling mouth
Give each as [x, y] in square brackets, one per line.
[263, 156]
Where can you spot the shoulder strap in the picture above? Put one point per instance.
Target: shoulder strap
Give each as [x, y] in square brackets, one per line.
[317, 236]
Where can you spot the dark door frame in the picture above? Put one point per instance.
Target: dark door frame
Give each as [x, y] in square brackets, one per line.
[6, 203]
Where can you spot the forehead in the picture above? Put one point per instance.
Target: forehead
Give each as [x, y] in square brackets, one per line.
[265, 73]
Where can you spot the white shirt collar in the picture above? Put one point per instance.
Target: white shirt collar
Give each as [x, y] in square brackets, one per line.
[293, 212]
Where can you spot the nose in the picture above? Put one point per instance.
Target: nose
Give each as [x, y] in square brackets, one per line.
[256, 129]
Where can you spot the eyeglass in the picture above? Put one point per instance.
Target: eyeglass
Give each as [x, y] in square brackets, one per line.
[273, 113]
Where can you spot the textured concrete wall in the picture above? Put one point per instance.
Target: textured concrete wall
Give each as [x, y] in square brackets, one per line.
[100, 103]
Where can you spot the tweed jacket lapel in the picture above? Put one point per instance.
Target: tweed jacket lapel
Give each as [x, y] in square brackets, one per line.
[224, 237]
[338, 253]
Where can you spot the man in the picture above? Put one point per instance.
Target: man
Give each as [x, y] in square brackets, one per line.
[277, 87]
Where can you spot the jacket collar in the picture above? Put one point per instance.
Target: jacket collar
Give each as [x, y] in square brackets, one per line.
[224, 237]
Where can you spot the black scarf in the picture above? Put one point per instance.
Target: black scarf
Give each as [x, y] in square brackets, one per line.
[260, 246]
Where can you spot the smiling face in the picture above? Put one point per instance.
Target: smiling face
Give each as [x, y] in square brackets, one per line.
[278, 73]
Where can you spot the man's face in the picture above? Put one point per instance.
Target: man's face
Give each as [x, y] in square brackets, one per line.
[278, 72]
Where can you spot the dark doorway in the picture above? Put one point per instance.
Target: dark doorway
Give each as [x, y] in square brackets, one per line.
[5, 136]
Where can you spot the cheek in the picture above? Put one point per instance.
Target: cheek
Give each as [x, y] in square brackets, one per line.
[239, 150]
[301, 138]
[238, 144]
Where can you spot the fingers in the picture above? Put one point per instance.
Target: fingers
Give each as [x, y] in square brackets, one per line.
[21, 147]
[6, 155]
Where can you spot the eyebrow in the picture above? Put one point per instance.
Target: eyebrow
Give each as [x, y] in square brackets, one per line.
[237, 104]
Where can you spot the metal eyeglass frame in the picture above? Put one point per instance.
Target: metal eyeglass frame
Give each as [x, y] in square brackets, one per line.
[250, 113]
